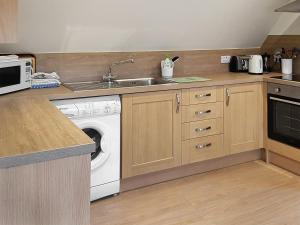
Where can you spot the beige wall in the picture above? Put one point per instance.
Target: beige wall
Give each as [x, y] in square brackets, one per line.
[287, 24]
[142, 25]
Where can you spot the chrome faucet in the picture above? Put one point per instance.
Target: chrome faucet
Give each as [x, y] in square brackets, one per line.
[109, 77]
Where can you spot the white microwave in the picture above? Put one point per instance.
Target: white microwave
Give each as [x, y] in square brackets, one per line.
[15, 74]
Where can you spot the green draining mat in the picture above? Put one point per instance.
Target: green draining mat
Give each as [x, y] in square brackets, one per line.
[189, 79]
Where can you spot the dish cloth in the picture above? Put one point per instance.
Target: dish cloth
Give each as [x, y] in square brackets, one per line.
[45, 80]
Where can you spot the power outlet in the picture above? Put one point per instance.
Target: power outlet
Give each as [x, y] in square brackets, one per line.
[225, 59]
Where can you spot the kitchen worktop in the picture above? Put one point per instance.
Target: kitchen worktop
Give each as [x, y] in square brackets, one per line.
[33, 130]
[279, 81]
[215, 80]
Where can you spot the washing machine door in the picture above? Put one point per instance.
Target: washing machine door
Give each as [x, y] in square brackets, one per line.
[100, 134]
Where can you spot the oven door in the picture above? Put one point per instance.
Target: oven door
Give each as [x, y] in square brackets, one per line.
[284, 120]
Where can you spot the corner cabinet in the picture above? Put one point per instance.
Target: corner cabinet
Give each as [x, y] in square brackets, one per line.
[151, 132]
[8, 21]
[243, 117]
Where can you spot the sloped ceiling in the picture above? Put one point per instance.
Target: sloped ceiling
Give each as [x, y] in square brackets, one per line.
[141, 25]
[287, 24]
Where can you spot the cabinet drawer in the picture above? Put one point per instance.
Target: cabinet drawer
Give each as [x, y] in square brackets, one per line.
[203, 95]
[202, 111]
[202, 128]
[201, 149]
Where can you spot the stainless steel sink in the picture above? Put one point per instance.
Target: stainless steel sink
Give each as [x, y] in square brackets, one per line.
[82, 86]
[141, 82]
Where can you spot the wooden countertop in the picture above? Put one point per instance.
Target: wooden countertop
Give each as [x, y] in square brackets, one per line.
[216, 80]
[219, 79]
[33, 130]
[279, 81]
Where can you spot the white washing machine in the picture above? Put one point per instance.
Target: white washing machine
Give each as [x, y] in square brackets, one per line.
[99, 118]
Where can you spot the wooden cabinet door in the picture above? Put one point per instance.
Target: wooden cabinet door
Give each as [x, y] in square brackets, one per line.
[242, 107]
[8, 21]
[151, 132]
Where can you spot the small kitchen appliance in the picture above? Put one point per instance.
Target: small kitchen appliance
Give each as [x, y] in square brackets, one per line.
[15, 73]
[255, 64]
[238, 64]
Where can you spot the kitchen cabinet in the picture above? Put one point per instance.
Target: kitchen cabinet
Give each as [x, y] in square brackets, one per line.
[151, 132]
[201, 149]
[8, 21]
[46, 193]
[202, 124]
[242, 117]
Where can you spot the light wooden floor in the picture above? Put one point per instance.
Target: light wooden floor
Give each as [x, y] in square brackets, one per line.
[248, 194]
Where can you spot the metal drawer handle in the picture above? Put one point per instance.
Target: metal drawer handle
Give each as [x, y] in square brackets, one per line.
[203, 129]
[203, 95]
[202, 112]
[202, 146]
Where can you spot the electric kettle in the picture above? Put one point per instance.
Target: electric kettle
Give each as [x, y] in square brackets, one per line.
[255, 64]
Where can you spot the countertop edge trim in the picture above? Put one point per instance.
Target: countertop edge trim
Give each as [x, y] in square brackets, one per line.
[284, 82]
[21, 160]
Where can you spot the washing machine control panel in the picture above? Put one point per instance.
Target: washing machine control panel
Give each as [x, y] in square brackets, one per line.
[84, 109]
[89, 107]
[105, 108]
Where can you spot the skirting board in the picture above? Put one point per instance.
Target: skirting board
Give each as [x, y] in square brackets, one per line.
[285, 163]
[188, 170]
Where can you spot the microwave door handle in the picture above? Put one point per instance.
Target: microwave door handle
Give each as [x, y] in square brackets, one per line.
[285, 101]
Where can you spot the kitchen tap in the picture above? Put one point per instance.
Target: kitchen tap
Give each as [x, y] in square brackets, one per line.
[109, 77]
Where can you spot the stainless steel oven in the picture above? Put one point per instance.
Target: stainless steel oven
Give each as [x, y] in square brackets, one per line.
[284, 114]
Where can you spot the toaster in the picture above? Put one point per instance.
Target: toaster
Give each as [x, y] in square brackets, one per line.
[238, 64]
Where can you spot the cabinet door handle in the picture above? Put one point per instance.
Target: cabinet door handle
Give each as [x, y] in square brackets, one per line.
[227, 96]
[177, 103]
[202, 146]
[203, 95]
[203, 129]
[198, 113]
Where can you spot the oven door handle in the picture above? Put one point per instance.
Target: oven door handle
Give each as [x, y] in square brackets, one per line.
[285, 101]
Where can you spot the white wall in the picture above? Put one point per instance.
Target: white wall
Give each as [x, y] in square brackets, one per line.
[141, 25]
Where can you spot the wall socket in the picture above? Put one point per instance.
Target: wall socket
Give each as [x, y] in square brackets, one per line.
[225, 59]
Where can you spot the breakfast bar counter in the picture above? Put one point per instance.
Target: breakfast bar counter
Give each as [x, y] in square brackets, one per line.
[45, 164]
[32, 130]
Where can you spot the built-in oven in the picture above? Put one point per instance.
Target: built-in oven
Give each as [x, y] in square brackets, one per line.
[284, 114]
